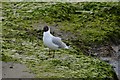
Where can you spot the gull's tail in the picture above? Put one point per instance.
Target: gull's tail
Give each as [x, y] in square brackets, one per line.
[67, 47]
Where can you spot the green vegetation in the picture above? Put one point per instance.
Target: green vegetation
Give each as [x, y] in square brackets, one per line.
[94, 22]
[91, 23]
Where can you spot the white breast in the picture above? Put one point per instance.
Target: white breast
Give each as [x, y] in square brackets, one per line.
[47, 40]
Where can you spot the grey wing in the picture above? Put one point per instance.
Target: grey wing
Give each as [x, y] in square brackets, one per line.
[57, 41]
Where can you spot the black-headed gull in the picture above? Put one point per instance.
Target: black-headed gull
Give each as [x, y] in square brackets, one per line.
[51, 41]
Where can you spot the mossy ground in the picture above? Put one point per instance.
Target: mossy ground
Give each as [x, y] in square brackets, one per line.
[92, 23]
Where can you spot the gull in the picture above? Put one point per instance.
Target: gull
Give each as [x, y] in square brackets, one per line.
[51, 41]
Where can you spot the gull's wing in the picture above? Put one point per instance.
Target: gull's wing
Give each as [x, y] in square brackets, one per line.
[57, 41]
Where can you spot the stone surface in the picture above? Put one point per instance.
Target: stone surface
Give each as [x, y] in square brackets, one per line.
[15, 70]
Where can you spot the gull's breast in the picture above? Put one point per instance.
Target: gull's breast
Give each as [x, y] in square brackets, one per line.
[48, 42]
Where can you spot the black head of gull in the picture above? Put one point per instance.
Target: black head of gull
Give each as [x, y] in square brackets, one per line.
[46, 28]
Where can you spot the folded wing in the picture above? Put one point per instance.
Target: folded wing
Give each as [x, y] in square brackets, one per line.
[57, 41]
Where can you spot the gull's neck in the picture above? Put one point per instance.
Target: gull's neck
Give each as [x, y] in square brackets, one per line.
[47, 34]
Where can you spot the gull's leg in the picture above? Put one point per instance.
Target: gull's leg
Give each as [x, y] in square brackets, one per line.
[53, 53]
[49, 51]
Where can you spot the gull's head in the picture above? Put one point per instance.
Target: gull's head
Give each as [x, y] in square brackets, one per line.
[46, 28]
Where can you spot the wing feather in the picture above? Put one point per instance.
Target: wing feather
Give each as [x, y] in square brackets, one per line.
[57, 41]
